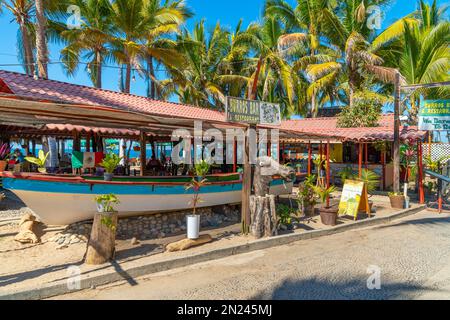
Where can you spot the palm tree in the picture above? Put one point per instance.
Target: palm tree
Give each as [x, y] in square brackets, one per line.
[302, 40]
[163, 21]
[197, 82]
[41, 39]
[22, 10]
[90, 40]
[355, 59]
[425, 54]
[279, 79]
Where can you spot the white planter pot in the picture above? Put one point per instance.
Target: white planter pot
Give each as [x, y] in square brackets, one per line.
[193, 227]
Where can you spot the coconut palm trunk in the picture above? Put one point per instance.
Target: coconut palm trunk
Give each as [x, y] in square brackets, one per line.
[27, 48]
[41, 39]
[98, 80]
[254, 91]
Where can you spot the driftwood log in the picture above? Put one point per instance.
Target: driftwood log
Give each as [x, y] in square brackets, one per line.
[264, 216]
[27, 232]
[102, 244]
[262, 204]
[189, 243]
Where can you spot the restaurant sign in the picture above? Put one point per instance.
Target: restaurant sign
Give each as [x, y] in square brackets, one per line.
[252, 112]
[434, 115]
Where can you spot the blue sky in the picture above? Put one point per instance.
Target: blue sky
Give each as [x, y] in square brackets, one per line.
[228, 12]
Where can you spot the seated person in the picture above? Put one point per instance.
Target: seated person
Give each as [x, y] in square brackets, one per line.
[153, 164]
[20, 158]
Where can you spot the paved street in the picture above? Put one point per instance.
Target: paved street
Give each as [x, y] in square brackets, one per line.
[412, 254]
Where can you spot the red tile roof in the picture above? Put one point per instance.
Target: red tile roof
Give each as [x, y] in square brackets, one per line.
[49, 90]
[328, 126]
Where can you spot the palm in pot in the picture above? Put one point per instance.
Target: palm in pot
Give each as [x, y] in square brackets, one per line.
[201, 169]
[328, 214]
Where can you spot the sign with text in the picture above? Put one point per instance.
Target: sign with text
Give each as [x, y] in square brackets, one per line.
[252, 112]
[434, 115]
[354, 199]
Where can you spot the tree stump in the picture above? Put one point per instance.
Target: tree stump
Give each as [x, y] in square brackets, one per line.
[102, 244]
[264, 217]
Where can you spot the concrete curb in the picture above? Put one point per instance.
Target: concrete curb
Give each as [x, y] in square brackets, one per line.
[60, 287]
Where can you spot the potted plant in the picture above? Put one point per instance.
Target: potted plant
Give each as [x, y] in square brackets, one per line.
[345, 174]
[372, 181]
[105, 208]
[40, 161]
[101, 247]
[110, 164]
[397, 200]
[201, 169]
[285, 219]
[306, 197]
[4, 156]
[328, 214]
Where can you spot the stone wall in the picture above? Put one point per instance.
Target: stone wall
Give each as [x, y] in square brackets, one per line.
[156, 226]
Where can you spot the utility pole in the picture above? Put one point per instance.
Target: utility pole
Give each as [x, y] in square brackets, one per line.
[397, 133]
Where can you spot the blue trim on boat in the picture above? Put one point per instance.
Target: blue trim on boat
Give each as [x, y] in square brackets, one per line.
[118, 189]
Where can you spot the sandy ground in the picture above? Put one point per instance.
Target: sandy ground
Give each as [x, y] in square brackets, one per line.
[412, 257]
[28, 266]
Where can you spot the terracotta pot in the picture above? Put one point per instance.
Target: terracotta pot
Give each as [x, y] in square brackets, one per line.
[328, 216]
[3, 165]
[397, 202]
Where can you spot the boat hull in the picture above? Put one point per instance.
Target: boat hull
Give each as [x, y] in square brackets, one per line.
[66, 201]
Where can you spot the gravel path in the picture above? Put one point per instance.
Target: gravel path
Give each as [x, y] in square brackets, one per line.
[413, 256]
[11, 207]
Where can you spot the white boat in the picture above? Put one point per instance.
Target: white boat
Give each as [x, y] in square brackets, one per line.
[63, 200]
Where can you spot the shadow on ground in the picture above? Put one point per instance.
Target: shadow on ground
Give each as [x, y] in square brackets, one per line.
[318, 289]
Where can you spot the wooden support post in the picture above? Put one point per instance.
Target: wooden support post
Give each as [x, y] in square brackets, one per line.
[360, 160]
[320, 150]
[76, 141]
[328, 170]
[366, 151]
[383, 170]
[420, 170]
[269, 149]
[396, 150]
[143, 154]
[88, 142]
[309, 158]
[283, 155]
[235, 156]
[33, 147]
[246, 184]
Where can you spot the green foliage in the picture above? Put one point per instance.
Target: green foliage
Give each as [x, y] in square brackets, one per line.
[395, 194]
[105, 202]
[105, 205]
[39, 161]
[111, 162]
[363, 113]
[324, 193]
[371, 179]
[202, 168]
[306, 196]
[285, 215]
[346, 173]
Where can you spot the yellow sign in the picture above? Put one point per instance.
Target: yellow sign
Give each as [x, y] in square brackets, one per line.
[354, 199]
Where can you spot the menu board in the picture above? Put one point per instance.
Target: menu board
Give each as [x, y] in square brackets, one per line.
[354, 199]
